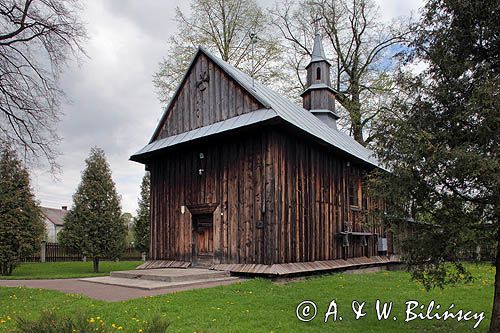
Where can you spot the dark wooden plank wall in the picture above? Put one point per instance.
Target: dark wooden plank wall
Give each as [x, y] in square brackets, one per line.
[233, 180]
[297, 189]
[311, 201]
[207, 96]
[319, 99]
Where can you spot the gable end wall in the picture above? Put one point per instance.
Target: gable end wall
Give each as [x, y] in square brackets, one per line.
[207, 95]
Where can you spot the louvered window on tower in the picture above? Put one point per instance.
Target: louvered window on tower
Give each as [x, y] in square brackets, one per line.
[318, 73]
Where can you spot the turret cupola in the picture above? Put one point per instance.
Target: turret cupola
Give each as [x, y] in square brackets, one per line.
[319, 96]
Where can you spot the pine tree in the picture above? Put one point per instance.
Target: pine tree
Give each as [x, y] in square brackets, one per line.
[142, 220]
[21, 223]
[94, 226]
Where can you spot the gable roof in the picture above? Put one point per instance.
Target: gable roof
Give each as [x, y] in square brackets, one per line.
[284, 108]
[56, 216]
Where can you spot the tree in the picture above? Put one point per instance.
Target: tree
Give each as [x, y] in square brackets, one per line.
[441, 142]
[224, 27]
[94, 226]
[36, 41]
[363, 48]
[128, 222]
[143, 218]
[21, 223]
[127, 219]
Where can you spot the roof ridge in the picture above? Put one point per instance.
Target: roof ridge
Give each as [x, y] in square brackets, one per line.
[286, 109]
[296, 114]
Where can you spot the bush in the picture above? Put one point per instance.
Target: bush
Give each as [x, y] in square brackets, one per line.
[50, 322]
[157, 324]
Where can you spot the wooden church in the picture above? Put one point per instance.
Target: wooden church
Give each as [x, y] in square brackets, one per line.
[243, 179]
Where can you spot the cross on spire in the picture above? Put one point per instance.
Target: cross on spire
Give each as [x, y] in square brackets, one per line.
[315, 22]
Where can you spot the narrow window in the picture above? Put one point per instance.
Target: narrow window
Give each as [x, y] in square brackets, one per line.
[354, 191]
[318, 73]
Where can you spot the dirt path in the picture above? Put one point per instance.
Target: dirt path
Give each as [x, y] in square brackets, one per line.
[100, 291]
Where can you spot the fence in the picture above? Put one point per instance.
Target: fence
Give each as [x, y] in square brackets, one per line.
[54, 252]
[480, 253]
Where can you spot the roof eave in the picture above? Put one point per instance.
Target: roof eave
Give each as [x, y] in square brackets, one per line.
[315, 60]
[318, 88]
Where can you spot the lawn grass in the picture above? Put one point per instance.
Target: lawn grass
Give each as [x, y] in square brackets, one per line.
[263, 306]
[65, 270]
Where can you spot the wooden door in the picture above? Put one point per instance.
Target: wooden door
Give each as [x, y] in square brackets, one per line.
[203, 239]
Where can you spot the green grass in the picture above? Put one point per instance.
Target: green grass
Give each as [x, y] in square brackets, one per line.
[65, 270]
[263, 306]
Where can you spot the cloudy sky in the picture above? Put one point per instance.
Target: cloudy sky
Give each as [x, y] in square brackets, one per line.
[112, 103]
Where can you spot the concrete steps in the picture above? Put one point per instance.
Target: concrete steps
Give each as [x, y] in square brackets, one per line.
[155, 285]
[165, 278]
[171, 274]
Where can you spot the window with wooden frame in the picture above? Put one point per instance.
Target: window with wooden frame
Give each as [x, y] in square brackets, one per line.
[355, 190]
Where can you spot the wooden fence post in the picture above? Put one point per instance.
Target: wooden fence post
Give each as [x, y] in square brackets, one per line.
[43, 251]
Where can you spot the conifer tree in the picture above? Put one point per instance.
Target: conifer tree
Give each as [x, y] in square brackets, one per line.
[21, 224]
[142, 220]
[441, 143]
[94, 226]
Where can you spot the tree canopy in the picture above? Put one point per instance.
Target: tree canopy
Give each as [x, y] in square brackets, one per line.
[21, 223]
[36, 41]
[143, 218]
[441, 141]
[94, 226]
[362, 48]
[225, 27]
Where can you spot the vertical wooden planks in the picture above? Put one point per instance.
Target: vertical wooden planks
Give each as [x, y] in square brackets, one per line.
[298, 190]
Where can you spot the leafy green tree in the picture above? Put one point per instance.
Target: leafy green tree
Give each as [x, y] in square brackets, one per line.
[128, 222]
[362, 47]
[223, 27]
[441, 142]
[143, 218]
[21, 223]
[94, 226]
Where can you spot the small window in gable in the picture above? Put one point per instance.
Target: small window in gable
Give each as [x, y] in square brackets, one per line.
[318, 73]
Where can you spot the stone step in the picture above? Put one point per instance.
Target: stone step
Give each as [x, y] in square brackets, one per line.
[155, 285]
[171, 274]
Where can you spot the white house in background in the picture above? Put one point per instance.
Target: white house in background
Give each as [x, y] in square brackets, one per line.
[54, 221]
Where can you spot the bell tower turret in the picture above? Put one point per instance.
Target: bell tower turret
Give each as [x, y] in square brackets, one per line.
[319, 96]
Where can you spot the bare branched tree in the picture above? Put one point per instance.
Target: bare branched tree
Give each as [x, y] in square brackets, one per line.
[362, 47]
[223, 27]
[37, 38]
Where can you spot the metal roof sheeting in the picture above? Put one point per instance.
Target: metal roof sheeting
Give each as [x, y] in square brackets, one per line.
[282, 107]
[243, 120]
[318, 53]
